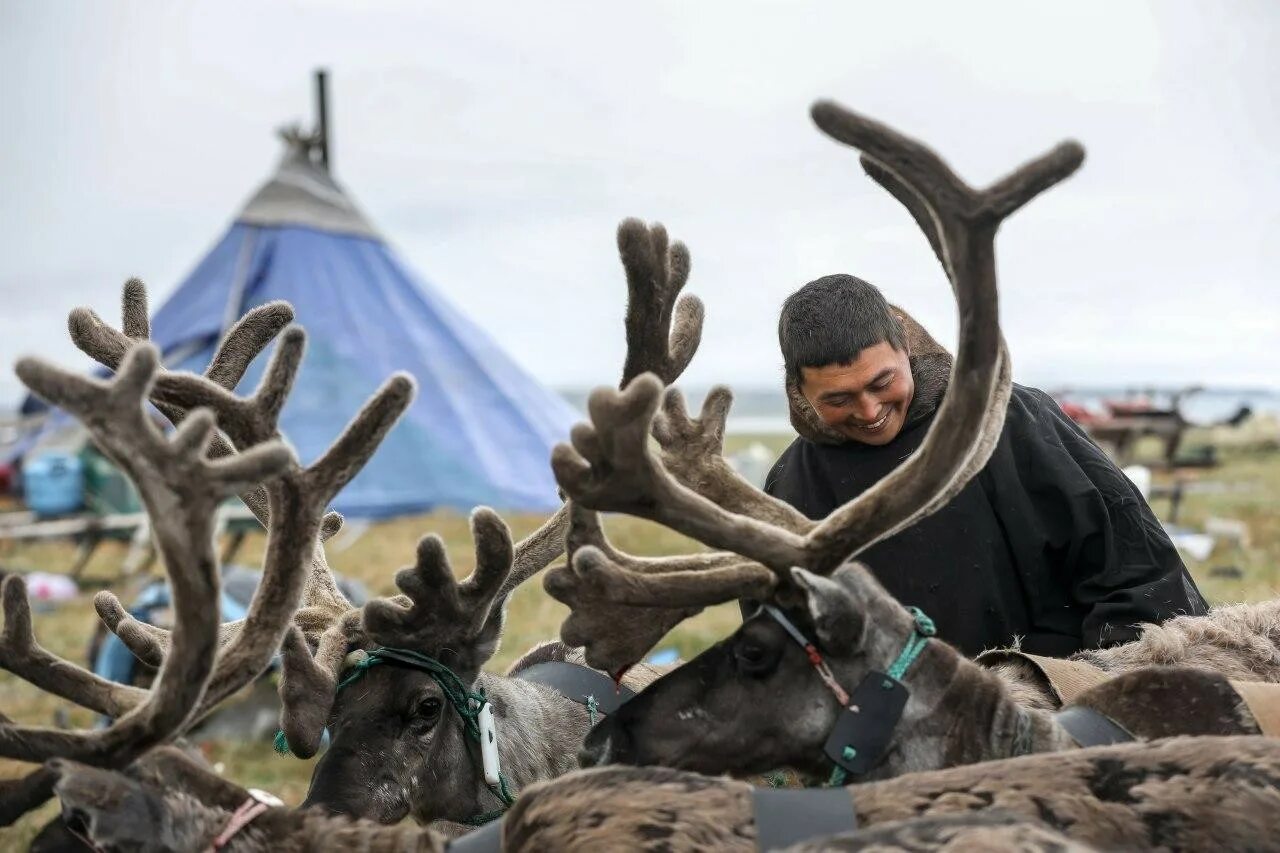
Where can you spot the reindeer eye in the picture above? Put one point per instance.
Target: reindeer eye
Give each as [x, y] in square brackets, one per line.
[425, 714]
[753, 657]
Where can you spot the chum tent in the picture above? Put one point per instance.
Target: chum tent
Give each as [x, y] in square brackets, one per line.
[480, 429]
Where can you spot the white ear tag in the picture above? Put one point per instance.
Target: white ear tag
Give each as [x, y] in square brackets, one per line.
[489, 745]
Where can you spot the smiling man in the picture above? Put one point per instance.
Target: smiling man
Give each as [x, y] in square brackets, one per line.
[1050, 543]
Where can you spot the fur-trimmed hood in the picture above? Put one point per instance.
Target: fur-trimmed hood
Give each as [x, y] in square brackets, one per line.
[930, 368]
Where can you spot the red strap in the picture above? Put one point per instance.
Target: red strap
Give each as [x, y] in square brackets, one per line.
[240, 818]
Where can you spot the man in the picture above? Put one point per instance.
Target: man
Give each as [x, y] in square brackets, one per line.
[1049, 543]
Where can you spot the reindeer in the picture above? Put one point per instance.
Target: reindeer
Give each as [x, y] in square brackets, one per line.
[181, 480]
[832, 672]
[404, 724]
[1182, 794]
[1187, 794]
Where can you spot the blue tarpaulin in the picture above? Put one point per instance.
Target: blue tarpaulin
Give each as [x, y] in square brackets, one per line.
[480, 430]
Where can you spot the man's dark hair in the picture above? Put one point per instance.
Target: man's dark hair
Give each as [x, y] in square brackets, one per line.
[832, 319]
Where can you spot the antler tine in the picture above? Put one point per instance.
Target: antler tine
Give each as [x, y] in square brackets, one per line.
[621, 606]
[22, 655]
[19, 796]
[181, 489]
[656, 271]
[290, 510]
[611, 467]
[663, 331]
[964, 225]
[436, 611]
[984, 444]
[693, 451]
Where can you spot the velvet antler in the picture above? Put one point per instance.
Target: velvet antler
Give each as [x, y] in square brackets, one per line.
[292, 507]
[181, 488]
[610, 466]
[620, 606]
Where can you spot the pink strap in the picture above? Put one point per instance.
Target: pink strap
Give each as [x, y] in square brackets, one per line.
[240, 818]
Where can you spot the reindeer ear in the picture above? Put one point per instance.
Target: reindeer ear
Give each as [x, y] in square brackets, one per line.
[112, 810]
[837, 618]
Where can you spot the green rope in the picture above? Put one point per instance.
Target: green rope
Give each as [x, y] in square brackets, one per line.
[281, 743]
[921, 632]
[465, 702]
[593, 709]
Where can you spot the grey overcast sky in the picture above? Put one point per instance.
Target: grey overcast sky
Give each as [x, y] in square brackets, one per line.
[497, 146]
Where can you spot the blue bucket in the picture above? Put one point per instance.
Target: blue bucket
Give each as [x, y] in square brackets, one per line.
[53, 483]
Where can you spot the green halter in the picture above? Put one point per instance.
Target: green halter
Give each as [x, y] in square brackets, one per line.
[466, 703]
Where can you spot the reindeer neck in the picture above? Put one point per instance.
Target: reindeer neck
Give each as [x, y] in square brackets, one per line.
[539, 731]
[961, 713]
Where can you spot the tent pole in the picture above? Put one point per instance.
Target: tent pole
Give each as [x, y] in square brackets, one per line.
[322, 115]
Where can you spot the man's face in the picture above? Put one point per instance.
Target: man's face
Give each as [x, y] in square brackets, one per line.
[864, 401]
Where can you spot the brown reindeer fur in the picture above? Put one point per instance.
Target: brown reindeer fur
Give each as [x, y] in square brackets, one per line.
[981, 832]
[1167, 701]
[1239, 642]
[1187, 794]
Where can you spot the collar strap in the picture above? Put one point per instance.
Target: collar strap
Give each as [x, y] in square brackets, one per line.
[1088, 727]
[815, 657]
[596, 691]
[921, 631]
[865, 727]
[787, 816]
[257, 803]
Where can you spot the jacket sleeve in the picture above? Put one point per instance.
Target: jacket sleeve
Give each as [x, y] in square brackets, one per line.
[1106, 544]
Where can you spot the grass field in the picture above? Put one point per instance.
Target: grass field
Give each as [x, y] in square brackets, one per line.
[1246, 487]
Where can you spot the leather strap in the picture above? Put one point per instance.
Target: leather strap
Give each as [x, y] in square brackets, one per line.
[863, 731]
[1067, 678]
[786, 816]
[579, 683]
[1263, 701]
[1091, 728]
[486, 839]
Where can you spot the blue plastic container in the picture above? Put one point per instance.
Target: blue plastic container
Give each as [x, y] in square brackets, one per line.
[53, 483]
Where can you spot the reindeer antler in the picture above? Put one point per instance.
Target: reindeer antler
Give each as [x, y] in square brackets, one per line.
[610, 467]
[436, 611]
[621, 605]
[663, 329]
[291, 507]
[181, 489]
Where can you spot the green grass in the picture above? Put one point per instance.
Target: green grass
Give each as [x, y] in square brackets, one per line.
[1246, 487]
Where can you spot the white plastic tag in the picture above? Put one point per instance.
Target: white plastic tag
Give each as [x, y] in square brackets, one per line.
[266, 797]
[489, 745]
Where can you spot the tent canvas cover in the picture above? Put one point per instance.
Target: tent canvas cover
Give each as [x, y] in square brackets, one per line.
[479, 431]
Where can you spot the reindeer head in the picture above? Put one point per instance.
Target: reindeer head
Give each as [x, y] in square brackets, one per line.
[398, 685]
[761, 699]
[406, 719]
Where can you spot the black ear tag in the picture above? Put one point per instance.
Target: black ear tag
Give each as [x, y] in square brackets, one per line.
[863, 730]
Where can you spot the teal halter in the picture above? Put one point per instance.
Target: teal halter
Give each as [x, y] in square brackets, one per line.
[922, 629]
[468, 704]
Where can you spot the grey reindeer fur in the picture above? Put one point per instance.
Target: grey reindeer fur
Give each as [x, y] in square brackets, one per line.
[1183, 794]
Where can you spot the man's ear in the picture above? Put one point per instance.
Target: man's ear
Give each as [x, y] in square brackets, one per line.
[112, 810]
[837, 618]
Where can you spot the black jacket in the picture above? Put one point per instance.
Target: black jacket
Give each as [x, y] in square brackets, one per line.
[1049, 543]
